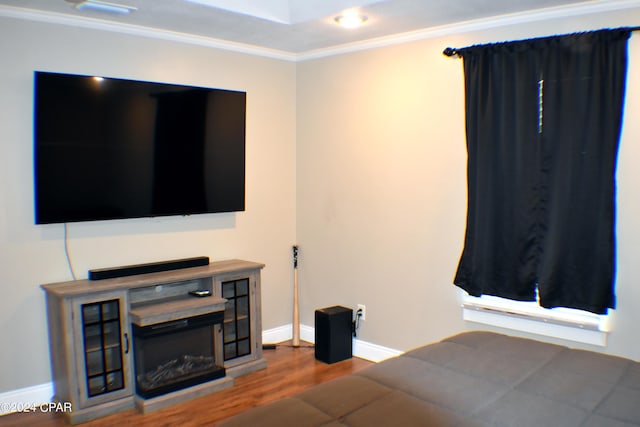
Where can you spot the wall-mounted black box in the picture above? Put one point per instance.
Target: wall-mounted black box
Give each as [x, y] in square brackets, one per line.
[333, 334]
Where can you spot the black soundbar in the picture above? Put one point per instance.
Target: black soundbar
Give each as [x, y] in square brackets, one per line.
[152, 267]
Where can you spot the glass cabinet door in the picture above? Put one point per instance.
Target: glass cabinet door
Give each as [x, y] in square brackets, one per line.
[237, 319]
[103, 348]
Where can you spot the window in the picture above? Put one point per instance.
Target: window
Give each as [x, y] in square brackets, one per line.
[527, 316]
[543, 120]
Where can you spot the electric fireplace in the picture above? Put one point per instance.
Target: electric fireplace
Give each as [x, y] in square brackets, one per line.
[185, 327]
[176, 354]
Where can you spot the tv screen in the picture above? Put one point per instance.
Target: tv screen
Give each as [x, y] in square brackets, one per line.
[111, 149]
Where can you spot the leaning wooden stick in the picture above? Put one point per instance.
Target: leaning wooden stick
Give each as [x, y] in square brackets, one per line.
[296, 309]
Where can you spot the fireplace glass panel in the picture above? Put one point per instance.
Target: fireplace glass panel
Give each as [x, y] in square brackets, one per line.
[174, 355]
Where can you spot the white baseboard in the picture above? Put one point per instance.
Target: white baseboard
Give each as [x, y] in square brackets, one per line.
[25, 398]
[308, 333]
[373, 352]
[279, 334]
[16, 400]
[361, 349]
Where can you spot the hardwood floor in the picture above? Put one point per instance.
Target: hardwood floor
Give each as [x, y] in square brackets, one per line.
[289, 370]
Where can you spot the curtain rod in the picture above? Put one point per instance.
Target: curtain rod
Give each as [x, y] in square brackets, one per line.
[452, 51]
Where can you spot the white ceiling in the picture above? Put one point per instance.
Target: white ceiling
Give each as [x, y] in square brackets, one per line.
[296, 27]
[287, 11]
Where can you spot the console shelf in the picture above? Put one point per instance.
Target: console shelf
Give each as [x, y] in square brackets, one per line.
[91, 341]
[181, 308]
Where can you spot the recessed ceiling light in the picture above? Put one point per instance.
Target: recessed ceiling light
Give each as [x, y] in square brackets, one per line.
[103, 6]
[351, 20]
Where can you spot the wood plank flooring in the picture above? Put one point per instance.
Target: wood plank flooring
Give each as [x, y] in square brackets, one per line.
[289, 370]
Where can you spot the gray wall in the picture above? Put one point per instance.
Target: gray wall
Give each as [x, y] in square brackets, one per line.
[382, 185]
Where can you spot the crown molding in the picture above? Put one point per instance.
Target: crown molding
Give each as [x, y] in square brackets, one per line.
[582, 9]
[136, 30]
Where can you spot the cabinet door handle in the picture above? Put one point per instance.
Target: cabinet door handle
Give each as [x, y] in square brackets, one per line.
[126, 343]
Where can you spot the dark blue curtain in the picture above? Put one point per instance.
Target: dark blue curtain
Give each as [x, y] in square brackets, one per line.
[543, 119]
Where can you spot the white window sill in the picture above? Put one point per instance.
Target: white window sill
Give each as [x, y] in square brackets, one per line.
[568, 324]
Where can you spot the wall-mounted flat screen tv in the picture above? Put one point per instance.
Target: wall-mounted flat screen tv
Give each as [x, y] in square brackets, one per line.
[112, 148]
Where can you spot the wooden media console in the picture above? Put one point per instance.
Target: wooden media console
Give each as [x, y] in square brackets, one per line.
[108, 336]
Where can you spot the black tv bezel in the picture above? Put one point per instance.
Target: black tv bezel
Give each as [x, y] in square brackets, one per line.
[69, 218]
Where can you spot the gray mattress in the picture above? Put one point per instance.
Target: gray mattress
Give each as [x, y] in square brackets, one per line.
[470, 379]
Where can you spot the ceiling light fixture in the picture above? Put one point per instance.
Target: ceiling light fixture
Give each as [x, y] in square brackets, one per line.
[350, 19]
[102, 6]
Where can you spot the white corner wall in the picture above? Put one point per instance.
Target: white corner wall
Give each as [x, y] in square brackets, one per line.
[381, 189]
[31, 255]
[381, 202]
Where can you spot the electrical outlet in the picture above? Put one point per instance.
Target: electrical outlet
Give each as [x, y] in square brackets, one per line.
[364, 311]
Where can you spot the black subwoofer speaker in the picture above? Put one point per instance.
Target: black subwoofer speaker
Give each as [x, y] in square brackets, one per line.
[333, 334]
